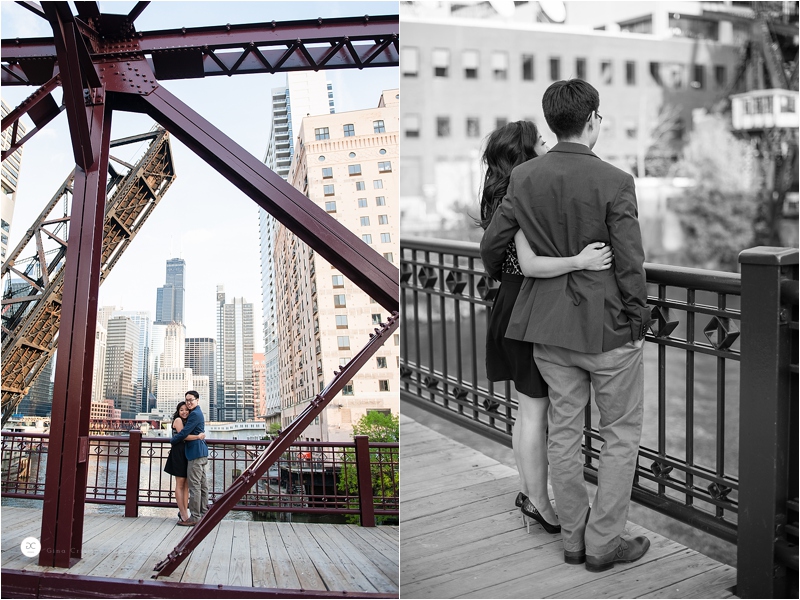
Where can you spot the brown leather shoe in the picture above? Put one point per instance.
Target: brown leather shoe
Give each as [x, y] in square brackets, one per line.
[629, 550]
[189, 523]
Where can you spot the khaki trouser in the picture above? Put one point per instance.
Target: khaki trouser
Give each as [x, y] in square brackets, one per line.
[198, 489]
[618, 380]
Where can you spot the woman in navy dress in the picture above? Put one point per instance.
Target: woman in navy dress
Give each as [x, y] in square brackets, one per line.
[508, 359]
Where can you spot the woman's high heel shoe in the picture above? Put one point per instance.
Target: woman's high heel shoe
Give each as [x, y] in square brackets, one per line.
[520, 500]
[529, 511]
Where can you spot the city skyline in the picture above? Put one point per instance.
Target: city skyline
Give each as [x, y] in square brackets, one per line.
[204, 219]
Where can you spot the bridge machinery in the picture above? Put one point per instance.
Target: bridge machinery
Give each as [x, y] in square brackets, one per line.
[33, 273]
[103, 65]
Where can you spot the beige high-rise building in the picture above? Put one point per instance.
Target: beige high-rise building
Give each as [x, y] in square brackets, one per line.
[346, 163]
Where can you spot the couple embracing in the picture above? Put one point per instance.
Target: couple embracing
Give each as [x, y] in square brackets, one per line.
[570, 315]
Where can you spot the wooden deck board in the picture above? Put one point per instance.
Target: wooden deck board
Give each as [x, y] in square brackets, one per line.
[463, 538]
[291, 556]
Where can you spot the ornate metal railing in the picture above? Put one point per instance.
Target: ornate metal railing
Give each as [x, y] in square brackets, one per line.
[312, 477]
[696, 448]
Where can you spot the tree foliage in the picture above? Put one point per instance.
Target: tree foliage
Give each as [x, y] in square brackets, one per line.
[378, 427]
[718, 212]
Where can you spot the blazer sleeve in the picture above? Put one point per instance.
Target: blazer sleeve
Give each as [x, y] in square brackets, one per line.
[192, 422]
[499, 233]
[626, 240]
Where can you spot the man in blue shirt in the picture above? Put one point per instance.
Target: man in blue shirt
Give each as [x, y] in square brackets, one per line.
[197, 455]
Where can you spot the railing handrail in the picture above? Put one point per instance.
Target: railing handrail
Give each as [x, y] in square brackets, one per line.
[722, 282]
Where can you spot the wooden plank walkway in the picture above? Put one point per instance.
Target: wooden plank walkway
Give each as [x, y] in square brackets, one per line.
[462, 537]
[293, 556]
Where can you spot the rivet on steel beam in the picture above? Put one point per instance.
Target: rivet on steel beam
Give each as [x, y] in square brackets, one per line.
[366, 17]
[228, 26]
[274, 24]
[319, 20]
[183, 30]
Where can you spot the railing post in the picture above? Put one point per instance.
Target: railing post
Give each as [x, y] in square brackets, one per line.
[364, 477]
[134, 470]
[763, 421]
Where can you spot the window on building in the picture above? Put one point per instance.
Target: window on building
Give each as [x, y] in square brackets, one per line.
[338, 281]
[388, 256]
[380, 201]
[377, 184]
[341, 321]
[360, 186]
[347, 390]
[362, 203]
[376, 318]
[470, 60]
[339, 300]
[367, 238]
[606, 72]
[409, 61]
[655, 73]
[385, 166]
[699, 77]
[720, 77]
[354, 170]
[343, 360]
[527, 67]
[383, 385]
[386, 238]
[383, 219]
[441, 62]
[328, 190]
[349, 130]
[378, 126]
[343, 341]
[396, 338]
[580, 68]
[500, 122]
[555, 69]
[630, 72]
[473, 127]
[327, 172]
[5, 225]
[411, 125]
[365, 221]
[380, 362]
[321, 133]
[330, 206]
[443, 127]
[500, 65]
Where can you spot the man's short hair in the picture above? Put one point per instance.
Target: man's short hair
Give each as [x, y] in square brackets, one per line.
[193, 393]
[567, 105]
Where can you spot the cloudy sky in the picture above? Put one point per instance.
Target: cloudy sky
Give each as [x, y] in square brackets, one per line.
[202, 218]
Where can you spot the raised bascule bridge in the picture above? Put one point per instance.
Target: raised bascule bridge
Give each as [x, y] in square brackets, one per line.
[104, 65]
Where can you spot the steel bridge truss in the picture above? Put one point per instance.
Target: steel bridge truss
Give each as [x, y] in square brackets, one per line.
[103, 64]
[33, 274]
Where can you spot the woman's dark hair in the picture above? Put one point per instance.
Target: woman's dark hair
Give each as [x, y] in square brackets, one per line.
[178, 410]
[506, 147]
[567, 105]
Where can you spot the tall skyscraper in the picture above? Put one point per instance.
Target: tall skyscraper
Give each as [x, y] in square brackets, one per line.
[166, 351]
[10, 179]
[122, 350]
[200, 357]
[170, 297]
[173, 378]
[235, 374]
[99, 366]
[142, 319]
[305, 93]
[259, 384]
[347, 164]
[38, 402]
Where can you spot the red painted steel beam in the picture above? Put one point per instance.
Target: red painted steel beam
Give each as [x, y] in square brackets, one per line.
[275, 450]
[333, 241]
[340, 43]
[65, 482]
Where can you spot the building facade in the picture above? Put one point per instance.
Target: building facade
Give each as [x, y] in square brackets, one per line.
[305, 93]
[170, 297]
[99, 365]
[10, 179]
[122, 348]
[142, 319]
[260, 385]
[347, 164]
[463, 78]
[235, 345]
[39, 399]
[200, 357]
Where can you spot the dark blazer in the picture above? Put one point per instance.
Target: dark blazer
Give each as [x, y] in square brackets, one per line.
[195, 424]
[562, 201]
